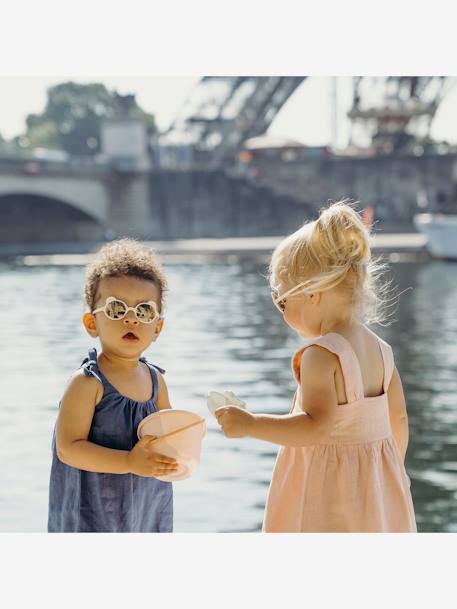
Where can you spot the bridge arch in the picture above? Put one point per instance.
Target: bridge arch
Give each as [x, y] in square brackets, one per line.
[30, 217]
[86, 195]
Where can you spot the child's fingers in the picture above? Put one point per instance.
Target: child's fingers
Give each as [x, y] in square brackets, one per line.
[163, 459]
[219, 413]
[169, 468]
[145, 440]
[165, 471]
[166, 467]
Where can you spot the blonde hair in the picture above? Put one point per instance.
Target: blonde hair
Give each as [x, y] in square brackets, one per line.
[334, 251]
[123, 257]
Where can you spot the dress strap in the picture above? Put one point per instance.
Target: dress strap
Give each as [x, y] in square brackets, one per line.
[337, 344]
[155, 381]
[389, 364]
[144, 360]
[90, 365]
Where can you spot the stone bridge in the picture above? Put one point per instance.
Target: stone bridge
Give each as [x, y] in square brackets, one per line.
[55, 208]
[71, 205]
[75, 201]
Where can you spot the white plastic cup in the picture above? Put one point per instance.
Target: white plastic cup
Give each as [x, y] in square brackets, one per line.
[215, 400]
[179, 434]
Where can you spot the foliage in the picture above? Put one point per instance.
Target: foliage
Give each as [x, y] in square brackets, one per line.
[73, 116]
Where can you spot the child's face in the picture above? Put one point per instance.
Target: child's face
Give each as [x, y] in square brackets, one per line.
[126, 337]
[310, 314]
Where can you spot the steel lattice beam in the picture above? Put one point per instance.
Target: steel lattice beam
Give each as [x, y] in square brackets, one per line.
[223, 111]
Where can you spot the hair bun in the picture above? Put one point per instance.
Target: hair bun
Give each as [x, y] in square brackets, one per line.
[342, 230]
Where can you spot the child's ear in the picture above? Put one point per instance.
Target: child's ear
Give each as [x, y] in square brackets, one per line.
[315, 298]
[90, 325]
[158, 329]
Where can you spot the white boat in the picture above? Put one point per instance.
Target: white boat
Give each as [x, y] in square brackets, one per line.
[441, 233]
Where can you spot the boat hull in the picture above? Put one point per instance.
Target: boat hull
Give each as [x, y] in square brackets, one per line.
[441, 233]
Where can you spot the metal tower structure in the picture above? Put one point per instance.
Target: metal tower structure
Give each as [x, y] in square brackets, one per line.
[395, 113]
[223, 111]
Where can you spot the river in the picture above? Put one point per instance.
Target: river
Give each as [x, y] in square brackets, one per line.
[221, 332]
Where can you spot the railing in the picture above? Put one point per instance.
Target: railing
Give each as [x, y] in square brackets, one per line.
[74, 166]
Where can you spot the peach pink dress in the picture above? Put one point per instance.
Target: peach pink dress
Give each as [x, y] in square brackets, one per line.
[355, 481]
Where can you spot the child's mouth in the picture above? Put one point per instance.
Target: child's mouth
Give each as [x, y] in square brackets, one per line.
[130, 336]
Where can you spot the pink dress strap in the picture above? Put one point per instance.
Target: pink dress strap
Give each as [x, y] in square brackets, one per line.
[340, 346]
[389, 364]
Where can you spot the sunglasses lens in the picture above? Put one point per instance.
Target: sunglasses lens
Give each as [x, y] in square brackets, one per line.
[279, 304]
[146, 313]
[115, 309]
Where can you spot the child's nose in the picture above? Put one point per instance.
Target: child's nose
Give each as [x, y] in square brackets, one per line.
[130, 318]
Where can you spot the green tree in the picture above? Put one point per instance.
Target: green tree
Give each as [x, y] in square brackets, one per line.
[42, 134]
[73, 115]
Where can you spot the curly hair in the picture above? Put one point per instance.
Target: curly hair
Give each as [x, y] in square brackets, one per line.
[123, 257]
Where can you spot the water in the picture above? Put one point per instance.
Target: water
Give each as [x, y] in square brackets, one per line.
[221, 332]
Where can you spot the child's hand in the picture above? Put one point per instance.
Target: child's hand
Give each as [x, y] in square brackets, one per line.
[234, 421]
[143, 461]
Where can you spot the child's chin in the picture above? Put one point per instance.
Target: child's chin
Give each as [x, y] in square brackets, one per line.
[130, 346]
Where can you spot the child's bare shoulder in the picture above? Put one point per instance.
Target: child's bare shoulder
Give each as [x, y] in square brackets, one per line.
[163, 399]
[84, 386]
[316, 359]
[160, 378]
[317, 380]
[316, 354]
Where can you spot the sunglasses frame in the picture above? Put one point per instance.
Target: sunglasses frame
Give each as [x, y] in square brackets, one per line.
[279, 300]
[127, 309]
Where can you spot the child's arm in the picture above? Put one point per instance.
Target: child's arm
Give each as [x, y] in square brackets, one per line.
[72, 430]
[318, 401]
[397, 413]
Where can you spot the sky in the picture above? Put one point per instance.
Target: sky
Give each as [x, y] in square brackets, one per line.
[306, 116]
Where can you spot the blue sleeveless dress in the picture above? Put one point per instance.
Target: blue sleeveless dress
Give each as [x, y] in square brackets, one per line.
[82, 501]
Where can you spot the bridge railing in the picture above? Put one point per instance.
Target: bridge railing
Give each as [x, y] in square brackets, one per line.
[29, 165]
